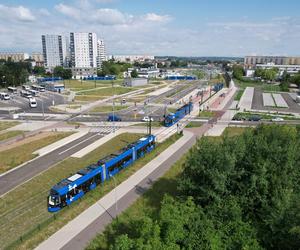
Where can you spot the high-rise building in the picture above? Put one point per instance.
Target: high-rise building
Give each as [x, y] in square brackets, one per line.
[83, 50]
[55, 50]
[101, 52]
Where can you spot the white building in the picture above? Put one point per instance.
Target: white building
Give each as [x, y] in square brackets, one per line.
[55, 50]
[14, 56]
[101, 52]
[83, 50]
[131, 58]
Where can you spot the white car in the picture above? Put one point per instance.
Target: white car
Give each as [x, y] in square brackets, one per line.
[277, 119]
[4, 96]
[32, 103]
[147, 119]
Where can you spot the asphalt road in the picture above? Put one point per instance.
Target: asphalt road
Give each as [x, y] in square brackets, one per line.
[82, 239]
[31, 169]
[44, 100]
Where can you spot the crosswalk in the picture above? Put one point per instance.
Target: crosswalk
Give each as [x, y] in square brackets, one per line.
[104, 130]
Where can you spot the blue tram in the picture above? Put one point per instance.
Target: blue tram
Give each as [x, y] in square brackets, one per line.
[172, 118]
[74, 187]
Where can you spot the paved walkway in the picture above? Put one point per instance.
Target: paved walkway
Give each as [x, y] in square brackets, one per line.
[90, 215]
[246, 99]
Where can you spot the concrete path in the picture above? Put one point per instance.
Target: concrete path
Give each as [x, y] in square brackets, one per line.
[60, 143]
[246, 99]
[62, 237]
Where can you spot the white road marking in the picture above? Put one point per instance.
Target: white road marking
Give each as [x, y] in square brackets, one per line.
[60, 153]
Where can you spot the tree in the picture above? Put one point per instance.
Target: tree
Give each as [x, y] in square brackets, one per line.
[238, 72]
[134, 73]
[39, 70]
[59, 71]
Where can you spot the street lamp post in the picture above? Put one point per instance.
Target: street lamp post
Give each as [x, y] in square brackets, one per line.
[113, 106]
[116, 197]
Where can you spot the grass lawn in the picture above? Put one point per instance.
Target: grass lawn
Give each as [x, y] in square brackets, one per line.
[10, 134]
[15, 156]
[85, 98]
[145, 124]
[207, 114]
[239, 94]
[194, 124]
[108, 108]
[77, 85]
[109, 91]
[234, 131]
[6, 125]
[264, 86]
[24, 213]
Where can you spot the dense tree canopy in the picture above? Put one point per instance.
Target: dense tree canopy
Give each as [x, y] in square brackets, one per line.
[237, 193]
[14, 73]
[113, 68]
[60, 71]
[267, 74]
[238, 71]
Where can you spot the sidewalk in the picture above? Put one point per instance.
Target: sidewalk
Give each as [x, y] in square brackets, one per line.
[246, 99]
[74, 227]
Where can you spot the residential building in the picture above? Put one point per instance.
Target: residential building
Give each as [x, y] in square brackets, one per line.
[131, 58]
[38, 58]
[55, 50]
[83, 50]
[14, 56]
[101, 52]
[252, 61]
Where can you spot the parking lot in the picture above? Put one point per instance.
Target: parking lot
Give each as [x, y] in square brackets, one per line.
[21, 104]
[289, 98]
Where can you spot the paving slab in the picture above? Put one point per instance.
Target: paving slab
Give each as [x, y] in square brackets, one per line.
[268, 100]
[246, 99]
[280, 102]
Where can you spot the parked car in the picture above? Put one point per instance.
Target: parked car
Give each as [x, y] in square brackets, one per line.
[147, 119]
[32, 103]
[277, 119]
[115, 118]
[4, 96]
[254, 118]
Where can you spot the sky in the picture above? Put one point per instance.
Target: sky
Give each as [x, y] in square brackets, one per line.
[158, 27]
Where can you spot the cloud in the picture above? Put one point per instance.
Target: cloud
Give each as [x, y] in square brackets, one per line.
[157, 18]
[19, 13]
[68, 10]
[109, 17]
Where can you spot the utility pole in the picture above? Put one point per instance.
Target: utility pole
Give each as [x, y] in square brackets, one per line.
[116, 197]
[113, 106]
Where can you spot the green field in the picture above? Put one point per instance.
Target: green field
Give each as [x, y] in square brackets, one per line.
[24, 213]
[15, 156]
[10, 134]
[264, 86]
[106, 109]
[207, 114]
[77, 85]
[6, 125]
[194, 124]
[239, 94]
[264, 116]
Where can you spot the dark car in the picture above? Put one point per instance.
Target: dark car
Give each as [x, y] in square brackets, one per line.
[254, 118]
[115, 118]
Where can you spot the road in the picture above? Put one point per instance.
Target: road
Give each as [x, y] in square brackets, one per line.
[44, 102]
[12, 179]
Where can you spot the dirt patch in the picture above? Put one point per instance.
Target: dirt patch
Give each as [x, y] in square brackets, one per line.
[26, 140]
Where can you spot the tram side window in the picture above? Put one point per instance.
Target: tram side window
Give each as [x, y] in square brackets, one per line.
[120, 163]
